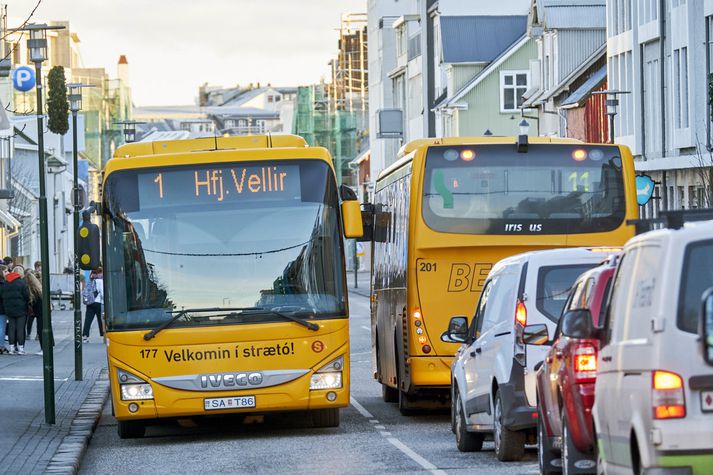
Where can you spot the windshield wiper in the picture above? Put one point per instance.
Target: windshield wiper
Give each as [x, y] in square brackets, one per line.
[278, 311]
[185, 311]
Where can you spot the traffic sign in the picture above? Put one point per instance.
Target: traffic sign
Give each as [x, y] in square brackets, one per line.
[644, 189]
[360, 249]
[23, 78]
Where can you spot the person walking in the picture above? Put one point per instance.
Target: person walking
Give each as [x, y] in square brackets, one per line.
[93, 297]
[16, 300]
[35, 290]
[4, 348]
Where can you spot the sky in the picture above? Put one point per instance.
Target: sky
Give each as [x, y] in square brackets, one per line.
[174, 46]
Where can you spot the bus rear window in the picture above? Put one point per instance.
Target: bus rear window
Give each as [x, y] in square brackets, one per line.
[553, 285]
[697, 277]
[551, 189]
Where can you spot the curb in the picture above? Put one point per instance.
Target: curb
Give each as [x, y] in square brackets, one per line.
[70, 452]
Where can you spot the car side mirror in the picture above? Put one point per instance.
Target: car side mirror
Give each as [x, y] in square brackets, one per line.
[578, 324]
[457, 330]
[536, 334]
[706, 326]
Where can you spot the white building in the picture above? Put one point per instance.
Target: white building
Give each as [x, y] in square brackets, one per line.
[661, 51]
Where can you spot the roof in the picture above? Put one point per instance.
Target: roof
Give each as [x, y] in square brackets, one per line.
[477, 39]
[583, 91]
[574, 14]
[237, 111]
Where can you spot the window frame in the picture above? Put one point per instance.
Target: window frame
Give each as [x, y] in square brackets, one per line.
[513, 73]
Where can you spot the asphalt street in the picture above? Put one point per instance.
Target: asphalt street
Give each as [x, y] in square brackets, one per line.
[373, 437]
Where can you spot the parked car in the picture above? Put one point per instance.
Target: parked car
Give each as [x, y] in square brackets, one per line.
[493, 373]
[653, 407]
[565, 380]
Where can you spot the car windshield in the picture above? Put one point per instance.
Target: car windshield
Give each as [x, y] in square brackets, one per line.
[256, 234]
[697, 277]
[553, 285]
[551, 189]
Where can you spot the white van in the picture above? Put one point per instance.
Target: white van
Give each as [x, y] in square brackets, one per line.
[493, 373]
[653, 407]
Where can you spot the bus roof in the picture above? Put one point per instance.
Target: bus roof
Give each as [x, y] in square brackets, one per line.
[416, 144]
[204, 144]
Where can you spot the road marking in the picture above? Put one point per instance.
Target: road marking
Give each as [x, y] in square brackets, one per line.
[425, 464]
[366, 328]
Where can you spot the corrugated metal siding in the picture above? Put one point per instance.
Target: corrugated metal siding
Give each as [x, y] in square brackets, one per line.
[484, 99]
[576, 17]
[464, 73]
[575, 46]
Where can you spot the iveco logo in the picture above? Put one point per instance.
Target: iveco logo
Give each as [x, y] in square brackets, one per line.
[222, 380]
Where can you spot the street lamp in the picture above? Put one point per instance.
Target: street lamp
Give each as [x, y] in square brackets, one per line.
[612, 103]
[129, 129]
[522, 138]
[37, 45]
[75, 105]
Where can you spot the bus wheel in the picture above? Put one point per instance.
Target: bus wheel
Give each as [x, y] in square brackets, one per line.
[389, 394]
[325, 418]
[131, 429]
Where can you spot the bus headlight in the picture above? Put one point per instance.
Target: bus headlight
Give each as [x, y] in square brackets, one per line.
[328, 376]
[135, 392]
[326, 381]
[132, 387]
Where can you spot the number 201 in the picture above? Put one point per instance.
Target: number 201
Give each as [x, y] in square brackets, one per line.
[427, 267]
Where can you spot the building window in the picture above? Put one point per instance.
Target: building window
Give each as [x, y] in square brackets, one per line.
[513, 85]
[680, 87]
[229, 123]
[270, 99]
[709, 78]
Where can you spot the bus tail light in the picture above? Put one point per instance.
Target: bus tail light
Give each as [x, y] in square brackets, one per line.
[668, 399]
[133, 388]
[585, 363]
[328, 376]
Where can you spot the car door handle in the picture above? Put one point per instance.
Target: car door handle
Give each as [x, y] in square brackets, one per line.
[606, 358]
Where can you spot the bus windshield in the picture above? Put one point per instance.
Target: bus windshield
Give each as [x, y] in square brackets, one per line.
[250, 234]
[551, 189]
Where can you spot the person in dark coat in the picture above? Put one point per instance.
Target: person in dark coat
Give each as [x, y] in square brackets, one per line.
[4, 349]
[16, 300]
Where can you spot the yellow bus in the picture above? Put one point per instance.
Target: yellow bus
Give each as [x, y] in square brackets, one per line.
[224, 279]
[448, 209]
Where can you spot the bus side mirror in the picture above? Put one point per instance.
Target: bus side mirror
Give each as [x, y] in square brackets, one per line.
[706, 326]
[351, 218]
[89, 246]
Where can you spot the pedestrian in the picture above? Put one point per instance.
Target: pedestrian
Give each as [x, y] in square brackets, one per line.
[35, 289]
[9, 262]
[38, 269]
[4, 348]
[16, 300]
[93, 298]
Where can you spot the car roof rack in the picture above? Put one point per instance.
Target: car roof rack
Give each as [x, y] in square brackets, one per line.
[671, 219]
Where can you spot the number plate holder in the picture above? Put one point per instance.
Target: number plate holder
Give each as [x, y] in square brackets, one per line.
[233, 402]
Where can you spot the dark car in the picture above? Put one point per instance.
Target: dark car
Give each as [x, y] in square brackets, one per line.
[565, 381]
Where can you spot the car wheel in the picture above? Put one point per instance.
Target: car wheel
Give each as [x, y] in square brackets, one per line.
[325, 418]
[466, 441]
[574, 461]
[131, 429]
[389, 394]
[550, 463]
[509, 444]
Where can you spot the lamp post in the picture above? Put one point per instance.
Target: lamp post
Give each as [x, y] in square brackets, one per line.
[612, 103]
[129, 129]
[37, 45]
[75, 105]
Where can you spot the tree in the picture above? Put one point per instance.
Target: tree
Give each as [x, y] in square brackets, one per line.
[703, 166]
[57, 106]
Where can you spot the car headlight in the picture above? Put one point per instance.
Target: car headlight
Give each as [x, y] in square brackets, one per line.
[135, 392]
[326, 381]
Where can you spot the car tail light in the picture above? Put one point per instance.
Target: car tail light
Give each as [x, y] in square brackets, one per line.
[585, 363]
[521, 313]
[667, 397]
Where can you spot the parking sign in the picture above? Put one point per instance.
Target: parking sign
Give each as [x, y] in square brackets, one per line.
[23, 78]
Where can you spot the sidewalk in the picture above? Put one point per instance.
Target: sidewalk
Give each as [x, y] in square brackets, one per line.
[27, 444]
[363, 283]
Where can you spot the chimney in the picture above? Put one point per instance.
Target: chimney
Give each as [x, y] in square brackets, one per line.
[122, 70]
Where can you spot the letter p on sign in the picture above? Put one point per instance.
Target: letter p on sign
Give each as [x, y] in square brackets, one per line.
[23, 78]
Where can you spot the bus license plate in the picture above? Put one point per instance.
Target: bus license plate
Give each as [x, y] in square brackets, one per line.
[238, 402]
[707, 401]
